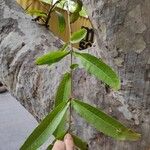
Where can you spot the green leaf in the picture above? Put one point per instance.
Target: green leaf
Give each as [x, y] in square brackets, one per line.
[83, 13]
[78, 36]
[80, 143]
[103, 122]
[74, 66]
[58, 137]
[61, 21]
[62, 95]
[64, 89]
[61, 127]
[45, 128]
[98, 68]
[75, 15]
[37, 13]
[50, 147]
[61, 136]
[64, 47]
[51, 57]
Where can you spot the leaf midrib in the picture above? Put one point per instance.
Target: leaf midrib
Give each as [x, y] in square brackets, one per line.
[99, 69]
[98, 117]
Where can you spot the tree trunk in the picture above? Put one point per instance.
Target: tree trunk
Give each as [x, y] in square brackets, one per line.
[122, 29]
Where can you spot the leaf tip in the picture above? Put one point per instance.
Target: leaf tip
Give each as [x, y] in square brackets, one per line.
[135, 136]
[130, 135]
[117, 85]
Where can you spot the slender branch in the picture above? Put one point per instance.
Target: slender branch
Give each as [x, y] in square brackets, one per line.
[49, 13]
[71, 62]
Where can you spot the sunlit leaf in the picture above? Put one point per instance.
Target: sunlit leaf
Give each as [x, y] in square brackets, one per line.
[51, 57]
[46, 128]
[62, 4]
[79, 143]
[103, 122]
[61, 21]
[78, 36]
[83, 12]
[98, 68]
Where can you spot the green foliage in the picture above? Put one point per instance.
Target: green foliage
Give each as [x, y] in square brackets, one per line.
[82, 145]
[55, 122]
[64, 47]
[103, 122]
[98, 68]
[76, 14]
[75, 6]
[83, 12]
[78, 36]
[49, 147]
[74, 66]
[63, 95]
[64, 89]
[46, 128]
[60, 136]
[61, 21]
[51, 57]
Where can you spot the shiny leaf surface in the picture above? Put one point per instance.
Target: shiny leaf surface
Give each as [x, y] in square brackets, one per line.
[51, 57]
[78, 36]
[98, 68]
[103, 122]
[46, 128]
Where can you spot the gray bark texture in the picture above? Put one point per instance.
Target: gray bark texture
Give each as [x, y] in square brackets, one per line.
[122, 29]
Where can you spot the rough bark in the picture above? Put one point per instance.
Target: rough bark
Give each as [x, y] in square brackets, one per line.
[122, 28]
[22, 40]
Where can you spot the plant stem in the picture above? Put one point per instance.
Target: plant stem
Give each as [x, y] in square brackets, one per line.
[49, 13]
[71, 62]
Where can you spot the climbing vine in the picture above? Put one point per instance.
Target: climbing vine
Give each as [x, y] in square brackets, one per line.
[58, 122]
